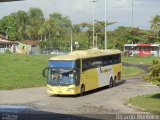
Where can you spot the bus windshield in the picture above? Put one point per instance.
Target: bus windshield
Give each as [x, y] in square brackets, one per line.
[62, 77]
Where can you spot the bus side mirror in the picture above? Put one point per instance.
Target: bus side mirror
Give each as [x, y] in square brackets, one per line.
[44, 74]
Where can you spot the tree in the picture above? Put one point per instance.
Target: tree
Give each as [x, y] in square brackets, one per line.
[60, 26]
[21, 19]
[155, 25]
[55, 31]
[8, 24]
[36, 19]
[128, 35]
[100, 30]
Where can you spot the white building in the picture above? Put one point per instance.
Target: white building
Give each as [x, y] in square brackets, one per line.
[6, 45]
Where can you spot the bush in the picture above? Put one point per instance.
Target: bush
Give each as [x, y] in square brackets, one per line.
[154, 75]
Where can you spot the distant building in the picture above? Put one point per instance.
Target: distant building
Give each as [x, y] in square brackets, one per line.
[6, 45]
[27, 46]
[19, 47]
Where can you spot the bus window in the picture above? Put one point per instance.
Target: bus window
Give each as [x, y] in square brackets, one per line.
[110, 60]
[78, 63]
[116, 58]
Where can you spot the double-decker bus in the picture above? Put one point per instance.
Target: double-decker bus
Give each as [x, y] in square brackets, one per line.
[142, 49]
[81, 71]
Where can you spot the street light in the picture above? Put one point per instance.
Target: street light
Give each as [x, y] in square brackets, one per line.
[71, 40]
[132, 19]
[132, 13]
[93, 1]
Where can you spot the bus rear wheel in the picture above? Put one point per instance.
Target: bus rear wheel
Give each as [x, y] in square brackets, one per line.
[82, 90]
[112, 83]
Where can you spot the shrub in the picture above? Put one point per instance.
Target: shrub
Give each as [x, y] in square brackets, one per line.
[154, 75]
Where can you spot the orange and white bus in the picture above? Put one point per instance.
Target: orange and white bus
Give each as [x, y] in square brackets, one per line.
[82, 71]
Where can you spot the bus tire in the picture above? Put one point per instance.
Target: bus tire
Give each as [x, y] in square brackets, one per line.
[111, 83]
[82, 90]
[114, 81]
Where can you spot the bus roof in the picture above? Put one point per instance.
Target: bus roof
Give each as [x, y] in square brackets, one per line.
[86, 54]
[142, 45]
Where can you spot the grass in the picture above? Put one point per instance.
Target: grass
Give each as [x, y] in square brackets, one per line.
[23, 71]
[137, 59]
[150, 102]
[130, 71]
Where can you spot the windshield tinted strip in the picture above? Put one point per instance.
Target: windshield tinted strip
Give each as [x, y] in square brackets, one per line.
[61, 64]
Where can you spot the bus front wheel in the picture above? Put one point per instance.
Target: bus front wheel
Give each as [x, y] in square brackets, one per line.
[82, 90]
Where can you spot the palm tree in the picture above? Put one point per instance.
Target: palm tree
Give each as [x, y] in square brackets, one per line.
[21, 18]
[155, 24]
[100, 30]
[42, 31]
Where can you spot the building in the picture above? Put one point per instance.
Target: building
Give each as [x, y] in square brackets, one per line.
[27, 47]
[6, 45]
[19, 47]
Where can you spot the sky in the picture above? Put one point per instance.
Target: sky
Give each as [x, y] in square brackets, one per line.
[79, 11]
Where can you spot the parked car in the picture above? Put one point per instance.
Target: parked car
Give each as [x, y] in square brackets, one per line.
[57, 52]
[52, 51]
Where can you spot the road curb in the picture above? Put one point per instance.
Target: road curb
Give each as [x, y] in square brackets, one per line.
[135, 107]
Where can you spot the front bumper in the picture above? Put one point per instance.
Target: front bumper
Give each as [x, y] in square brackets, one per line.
[62, 90]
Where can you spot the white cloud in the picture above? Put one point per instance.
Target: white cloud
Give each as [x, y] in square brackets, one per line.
[81, 10]
[122, 4]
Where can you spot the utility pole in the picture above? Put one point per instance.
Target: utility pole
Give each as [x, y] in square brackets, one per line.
[132, 20]
[105, 25]
[93, 1]
[71, 40]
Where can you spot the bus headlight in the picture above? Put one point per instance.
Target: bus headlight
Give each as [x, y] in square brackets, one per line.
[70, 89]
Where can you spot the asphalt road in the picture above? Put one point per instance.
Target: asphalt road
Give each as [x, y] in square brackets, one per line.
[102, 101]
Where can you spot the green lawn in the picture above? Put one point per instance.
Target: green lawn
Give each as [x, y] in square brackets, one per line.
[23, 71]
[130, 71]
[20, 71]
[149, 102]
[137, 59]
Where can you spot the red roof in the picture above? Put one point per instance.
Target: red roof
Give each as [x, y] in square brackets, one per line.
[29, 42]
[3, 41]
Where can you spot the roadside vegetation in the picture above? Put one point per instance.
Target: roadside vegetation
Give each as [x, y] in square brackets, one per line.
[23, 71]
[150, 102]
[154, 75]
